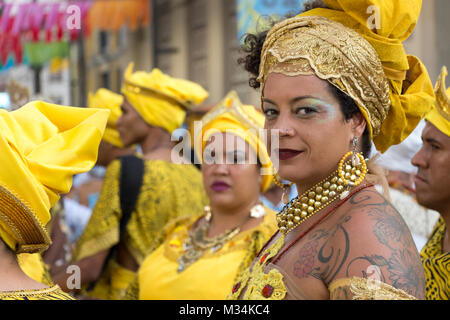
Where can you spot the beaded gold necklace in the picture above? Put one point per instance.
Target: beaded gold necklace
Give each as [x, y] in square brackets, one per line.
[336, 185]
[197, 243]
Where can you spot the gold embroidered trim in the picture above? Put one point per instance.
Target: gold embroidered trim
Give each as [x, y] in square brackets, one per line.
[369, 289]
[25, 227]
[258, 284]
[334, 53]
[52, 293]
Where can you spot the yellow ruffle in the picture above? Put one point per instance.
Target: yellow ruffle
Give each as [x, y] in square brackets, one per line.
[42, 146]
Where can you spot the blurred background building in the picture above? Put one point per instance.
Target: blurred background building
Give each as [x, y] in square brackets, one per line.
[193, 39]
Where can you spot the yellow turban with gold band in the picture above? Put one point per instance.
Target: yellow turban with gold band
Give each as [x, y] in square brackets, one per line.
[161, 100]
[42, 146]
[244, 121]
[362, 54]
[106, 99]
[440, 115]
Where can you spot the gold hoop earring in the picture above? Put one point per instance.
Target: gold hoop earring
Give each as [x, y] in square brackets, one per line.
[285, 187]
[353, 172]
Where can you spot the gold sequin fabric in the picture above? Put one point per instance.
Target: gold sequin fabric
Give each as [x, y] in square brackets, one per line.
[319, 46]
[436, 265]
[53, 293]
[168, 191]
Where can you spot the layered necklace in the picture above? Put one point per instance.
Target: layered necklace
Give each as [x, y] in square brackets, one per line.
[197, 243]
[337, 185]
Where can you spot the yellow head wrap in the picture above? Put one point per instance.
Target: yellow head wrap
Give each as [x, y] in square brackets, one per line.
[106, 99]
[244, 121]
[42, 146]
[161, 100]
[338, 44]
[440, 115]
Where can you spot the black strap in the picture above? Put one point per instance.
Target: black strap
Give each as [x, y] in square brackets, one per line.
[131, 176]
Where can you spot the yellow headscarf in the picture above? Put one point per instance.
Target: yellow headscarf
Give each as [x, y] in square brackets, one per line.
[338, 44]
[161, 100]
[42, 146]
[106, 99]
[440, 115]
[231, 116]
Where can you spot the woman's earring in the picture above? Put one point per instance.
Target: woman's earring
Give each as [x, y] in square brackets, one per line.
[285, 187]
[352, 172]
[355, 159]
[208, 214]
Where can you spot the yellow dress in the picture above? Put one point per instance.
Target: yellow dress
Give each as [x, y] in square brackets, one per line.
[53, 293]
[209, 278]
[168, 191]
[436, 265]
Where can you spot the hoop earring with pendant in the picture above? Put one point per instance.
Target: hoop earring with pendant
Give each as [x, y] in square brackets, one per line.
[352, 172]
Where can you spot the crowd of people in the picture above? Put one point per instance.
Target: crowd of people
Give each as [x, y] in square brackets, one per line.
[103, 203]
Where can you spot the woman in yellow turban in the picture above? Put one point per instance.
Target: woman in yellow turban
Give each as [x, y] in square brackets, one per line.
[111, 146]
[333, 80]
[119, 234]
[202, 254]
[42, 147]
[433, 191]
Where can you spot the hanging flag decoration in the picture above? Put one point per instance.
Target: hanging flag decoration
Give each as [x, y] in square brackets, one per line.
[41, 31]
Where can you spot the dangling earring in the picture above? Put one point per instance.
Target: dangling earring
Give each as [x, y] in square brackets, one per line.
[208, 214]
[353, 173]
[285, 187]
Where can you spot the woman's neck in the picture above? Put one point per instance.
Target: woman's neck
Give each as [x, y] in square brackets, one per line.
[225, 219]
[12, 278]
[156, 139]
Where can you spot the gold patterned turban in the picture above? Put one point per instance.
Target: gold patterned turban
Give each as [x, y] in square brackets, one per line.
[341, 44]
[106, 99]
[440, 115]
[42, 146]
[161, 100]
[244, 121]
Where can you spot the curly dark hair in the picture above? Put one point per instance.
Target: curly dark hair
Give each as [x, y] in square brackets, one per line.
[252, 47]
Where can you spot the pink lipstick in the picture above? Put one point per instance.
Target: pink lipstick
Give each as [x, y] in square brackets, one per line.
[220, 186]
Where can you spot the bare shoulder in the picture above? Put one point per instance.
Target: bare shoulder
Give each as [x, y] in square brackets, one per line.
[379, 244]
